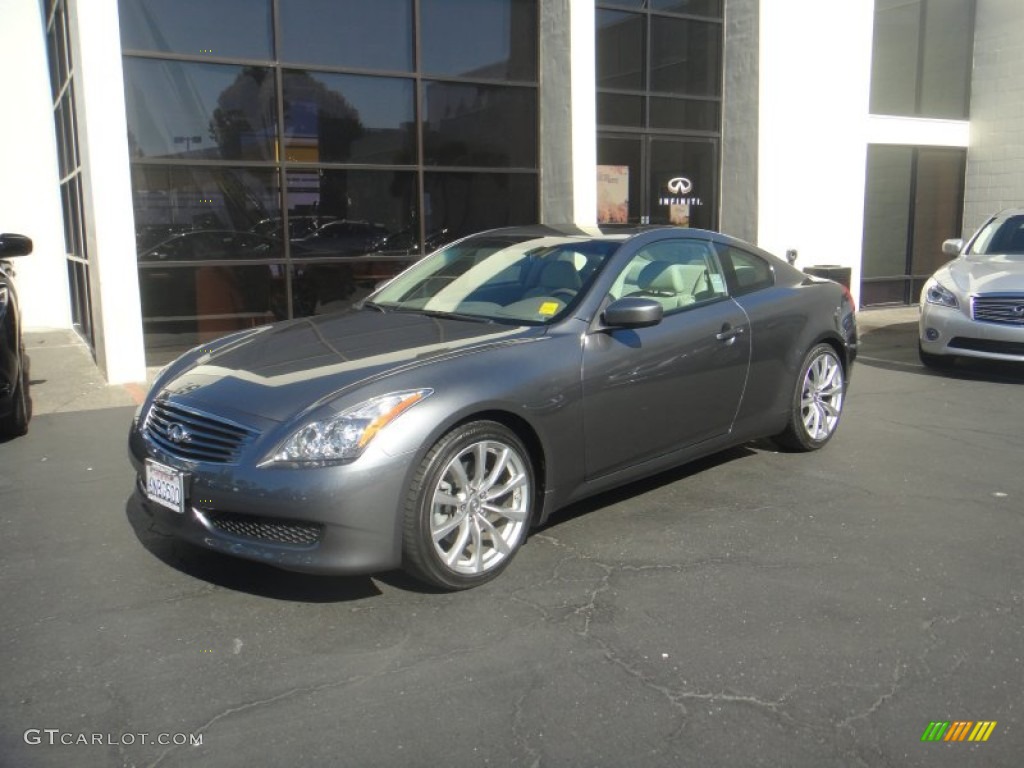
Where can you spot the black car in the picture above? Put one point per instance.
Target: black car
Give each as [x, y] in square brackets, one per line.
[14, 403]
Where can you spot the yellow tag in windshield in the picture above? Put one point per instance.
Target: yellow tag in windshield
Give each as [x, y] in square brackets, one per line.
[548, 308]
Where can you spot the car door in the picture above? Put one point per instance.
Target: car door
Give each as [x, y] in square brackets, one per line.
[648, 391]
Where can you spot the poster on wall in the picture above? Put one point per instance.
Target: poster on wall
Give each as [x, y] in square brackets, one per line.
[612, 194]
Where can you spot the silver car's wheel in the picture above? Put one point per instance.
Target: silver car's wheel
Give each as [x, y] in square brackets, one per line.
[818, 401]
[469, 507]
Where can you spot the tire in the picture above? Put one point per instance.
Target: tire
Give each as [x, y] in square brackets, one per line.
[817, 401]
[15, 423]
[458, 531]
[935, 362]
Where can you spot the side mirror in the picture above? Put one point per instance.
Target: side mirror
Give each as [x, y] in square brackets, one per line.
[952, 247]
[14, 245]
[633, 312]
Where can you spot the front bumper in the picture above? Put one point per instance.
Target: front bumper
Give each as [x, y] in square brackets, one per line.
[951, 331]
[342, 519]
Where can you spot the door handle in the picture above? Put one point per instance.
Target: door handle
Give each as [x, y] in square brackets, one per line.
[728, 333]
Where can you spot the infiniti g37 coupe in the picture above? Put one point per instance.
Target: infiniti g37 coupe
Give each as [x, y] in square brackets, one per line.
[499, 379]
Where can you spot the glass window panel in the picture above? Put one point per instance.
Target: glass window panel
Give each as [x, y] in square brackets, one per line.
[480, 125]
[185, 305]
[51, 54]
[686, 56]
[171, 201]
[462, 203]
[883, 292]
[938, 205]
[358, 211]
[620, 110]
[230, 28]
[948, 48]
[347, 33]
[349, 118]
[627, 3]
[689, 114]
[697, 7]
[503, 35]
[65, 202]
[200, 111]
[321, 287]
[894, 57]
[886, 211]
[694, 161]
[618, 180]
[63, 57]
[621, 50]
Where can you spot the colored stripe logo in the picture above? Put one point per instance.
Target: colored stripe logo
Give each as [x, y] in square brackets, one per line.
[958, 730]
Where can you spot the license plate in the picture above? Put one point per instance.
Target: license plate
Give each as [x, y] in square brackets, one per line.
[165, 485]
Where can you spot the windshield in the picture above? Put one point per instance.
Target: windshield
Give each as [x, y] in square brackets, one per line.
[1002, 236]
[505, 278]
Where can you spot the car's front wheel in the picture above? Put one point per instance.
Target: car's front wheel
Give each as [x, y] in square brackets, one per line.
[817, 401]
[469, 506]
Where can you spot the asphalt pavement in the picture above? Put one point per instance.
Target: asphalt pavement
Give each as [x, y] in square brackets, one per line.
[755, 608]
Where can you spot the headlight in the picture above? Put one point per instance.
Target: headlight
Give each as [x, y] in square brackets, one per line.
[936, 294]
[345, 436]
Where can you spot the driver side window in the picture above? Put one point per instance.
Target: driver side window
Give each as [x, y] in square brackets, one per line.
[676, 273]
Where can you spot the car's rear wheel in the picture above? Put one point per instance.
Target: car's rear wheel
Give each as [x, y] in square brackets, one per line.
[935, 362]
[817, 401]
[15, 423]
[469, 506]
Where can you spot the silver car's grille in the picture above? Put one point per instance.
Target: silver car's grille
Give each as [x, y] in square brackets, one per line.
[194, 435]
[287, 532]
[1006, 309]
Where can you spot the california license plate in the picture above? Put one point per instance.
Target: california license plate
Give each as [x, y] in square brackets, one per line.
[165, 485]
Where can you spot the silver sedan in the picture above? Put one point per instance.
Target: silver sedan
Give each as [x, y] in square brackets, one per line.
[500, 378]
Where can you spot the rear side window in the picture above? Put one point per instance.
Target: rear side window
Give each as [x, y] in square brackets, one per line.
[744, 271]
[676, 273]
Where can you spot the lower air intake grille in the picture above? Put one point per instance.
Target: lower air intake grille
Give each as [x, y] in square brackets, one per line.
[288, 532]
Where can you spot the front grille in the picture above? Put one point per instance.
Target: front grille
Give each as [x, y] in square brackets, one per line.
[194, 435]
[288, 532]
[1006, 309]
[988, 345]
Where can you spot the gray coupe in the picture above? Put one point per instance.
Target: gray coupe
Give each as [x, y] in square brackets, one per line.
[498, 379]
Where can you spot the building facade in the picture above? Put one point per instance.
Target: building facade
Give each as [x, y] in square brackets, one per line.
[188, 168]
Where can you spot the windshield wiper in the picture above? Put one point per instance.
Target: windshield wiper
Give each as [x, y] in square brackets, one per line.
[374, 305]
[446, 315]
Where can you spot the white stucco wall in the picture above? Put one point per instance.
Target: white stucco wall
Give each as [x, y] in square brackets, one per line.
[29, 183]
[814, 70]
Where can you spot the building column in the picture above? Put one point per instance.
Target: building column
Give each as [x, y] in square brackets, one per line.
[568, 113]
[106, 189]
[30, 192]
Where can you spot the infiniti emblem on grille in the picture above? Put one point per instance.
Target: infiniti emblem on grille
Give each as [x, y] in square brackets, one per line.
[1019, 310]
[178, 434]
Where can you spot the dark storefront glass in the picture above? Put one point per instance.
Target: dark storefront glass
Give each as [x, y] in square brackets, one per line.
[621, 50]
[222, 28]
[913, 201]
[492, 39]
[490, 126]
[699, 115]
[172, 200]
[460, 203]
[694, 161]
[921, 58]
[621, 110]
[349, 118]
[696, 7]
[686, 56]
[199, 111]
[348, 33]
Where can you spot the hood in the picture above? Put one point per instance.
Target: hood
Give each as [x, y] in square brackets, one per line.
[978, 274]
[280, 372]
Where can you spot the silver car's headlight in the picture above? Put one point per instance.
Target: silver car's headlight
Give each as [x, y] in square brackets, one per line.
[345, 436]
[935, 293]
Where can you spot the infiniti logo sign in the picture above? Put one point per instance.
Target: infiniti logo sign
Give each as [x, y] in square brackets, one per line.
[178, 434]
[680, 185]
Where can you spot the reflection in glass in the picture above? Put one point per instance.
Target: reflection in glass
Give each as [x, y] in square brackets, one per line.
[686, 56]
[503, 35]
[173, 200]
[480, 125]
[349, 118]
[348, 33]
[693, 114]
[199, 111]
[183, 306]
[320, 287]
[361, 210]
[462, 203]
[228, 28]
[620, 109]
[697, 7]
[620, 50]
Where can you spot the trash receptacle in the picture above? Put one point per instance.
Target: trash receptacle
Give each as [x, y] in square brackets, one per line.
[835, 272]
